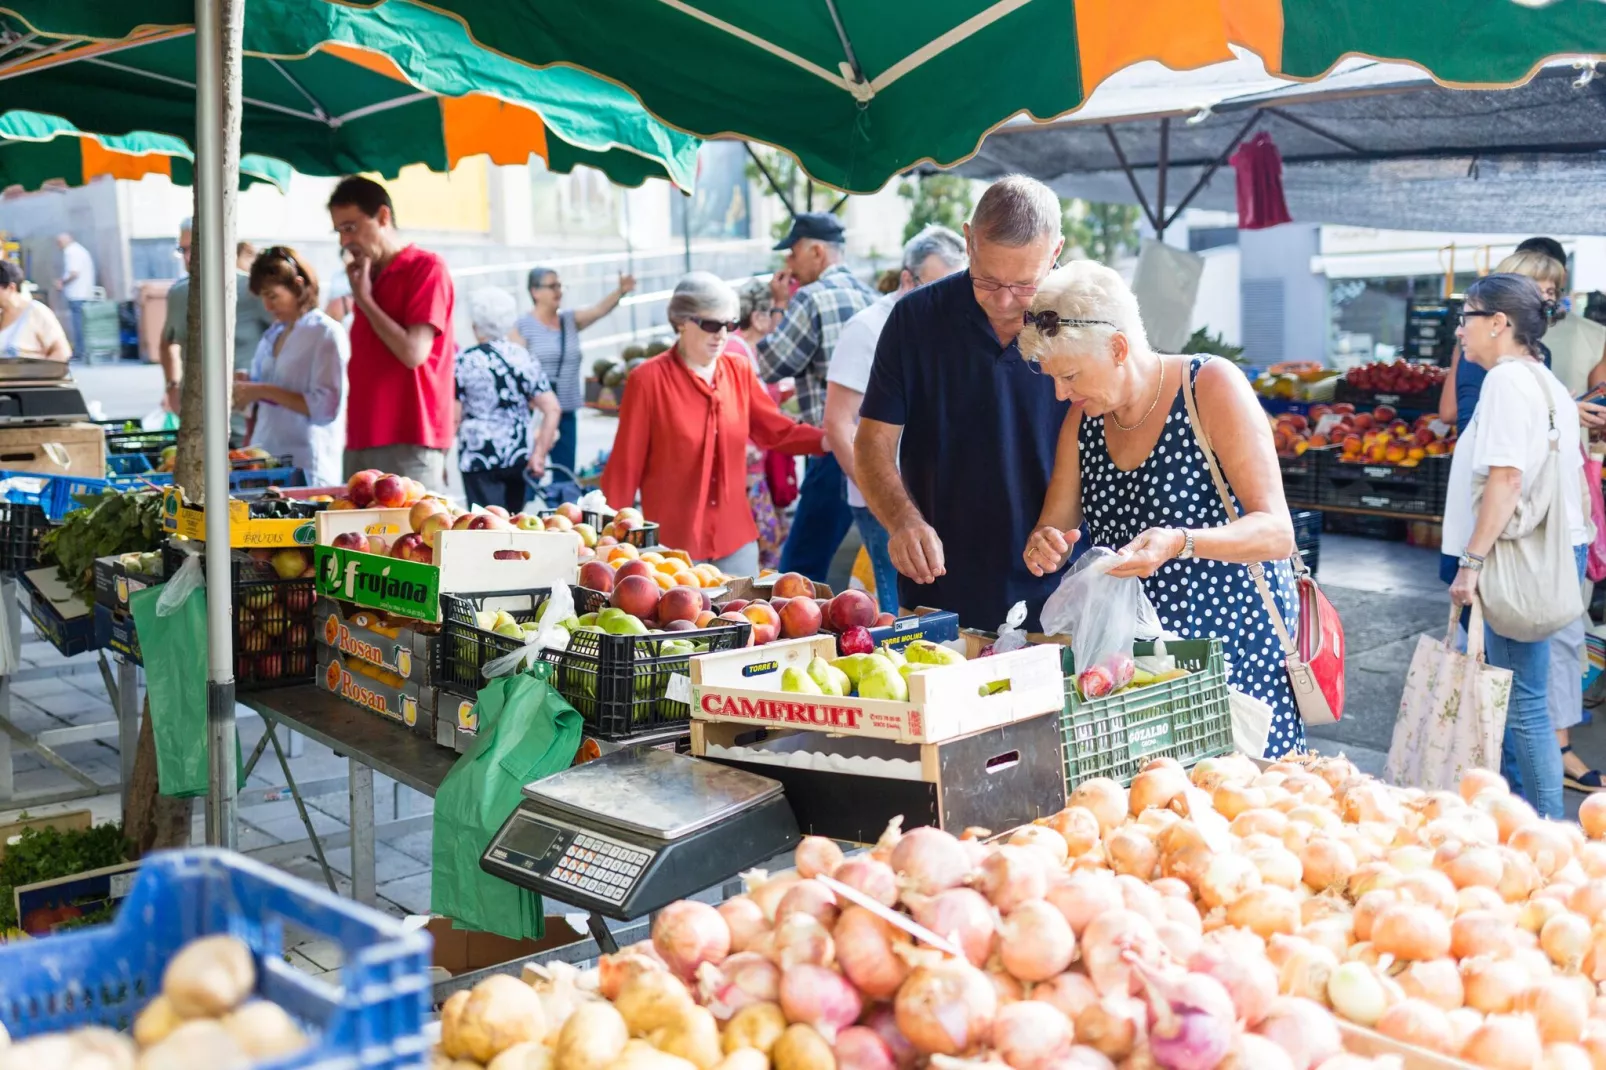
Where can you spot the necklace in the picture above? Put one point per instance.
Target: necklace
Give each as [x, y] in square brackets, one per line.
[1159, 387]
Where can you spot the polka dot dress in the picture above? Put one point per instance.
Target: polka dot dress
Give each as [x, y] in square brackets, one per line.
[1196, 599]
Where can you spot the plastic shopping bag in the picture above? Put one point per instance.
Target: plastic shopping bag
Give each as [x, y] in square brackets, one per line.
[1103, 615]
[1012, 636]
[549, 634]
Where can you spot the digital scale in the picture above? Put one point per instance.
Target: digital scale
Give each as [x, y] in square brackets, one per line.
[38, 392]
[632, 831]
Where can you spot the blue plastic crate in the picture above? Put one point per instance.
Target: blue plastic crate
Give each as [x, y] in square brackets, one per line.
[374, 1019]
[57, 495]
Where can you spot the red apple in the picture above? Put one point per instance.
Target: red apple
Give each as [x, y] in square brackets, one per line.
[350, 540]
[597, 575]
[390, 492]
[679, 604]
[884, 620]
[606, 540]
[633, 567]
[855, 640]
[800, 617]
[852, 609]
[360, 488]
[298, 599]
[485, 522]
[570, 511]
[794, 585]
[737, 618]
[412, 547]
[636, 595]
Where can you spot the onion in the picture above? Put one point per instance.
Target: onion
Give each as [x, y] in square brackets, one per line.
[1156, 788]
[1592, 815]
[1305, 1030]
[928, 860]
[1367, 910]
[1277, 865]
[1589, 898]
[1035, 942]
[1464, 1021]
[865, 950]
[1180, 940]
[1475, 782]
[1106, 942]
[1265, 910]
[861, 1048]
[745, 920]
[809, 897]
[1251, 1051]
[819, 997]
[1105, 798]
[1473, 865]
[1190, 1020]
[1006, 988]
[1370, 800]
[868, 877]
[1132, 852]
[1357, 993]
[1227, 879]
[1437, 981]
[1078, 827]
[1069, 993]
[884, 1023]
[1418, 1022]
[1306, 971]
[1012, 875]
[1533, 914]
[1084, 896]
[1565, 938]
[1510, 812]
[1042, 839]
[1249, 981]
[1431, 888]
[1558, 1008]
[1172, 888]
[740, 981]
[963, 915]
[1546, 842]
[1565, 1057]
[1492, 985]
[768, 895]
[1112, 1026]
[946, 1009]
[1231, 800]
[1333, 933]
[1029, 1035]
[1259, 821]
[687, 934]
[614, 971]
[1412, 932]
[1519, 877]
[1504, 1042]
[1411, 859]
[1158, 821]
[1477, 897]
[800, 940]
[816, 855]
[1082, 1057]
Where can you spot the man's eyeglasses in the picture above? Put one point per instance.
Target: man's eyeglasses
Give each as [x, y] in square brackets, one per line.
[1469, 313]
[990, 286]
[714, 326]
[1049, 322]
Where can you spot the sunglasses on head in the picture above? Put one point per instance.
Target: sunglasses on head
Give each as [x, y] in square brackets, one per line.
[1049, 322]
[714, 326]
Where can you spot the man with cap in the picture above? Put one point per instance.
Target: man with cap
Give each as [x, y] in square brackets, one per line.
[800, 347]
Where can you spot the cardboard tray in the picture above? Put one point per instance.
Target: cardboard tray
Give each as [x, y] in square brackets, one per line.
[362, 634]
[744, 686]
[410, 704]
[179, 517]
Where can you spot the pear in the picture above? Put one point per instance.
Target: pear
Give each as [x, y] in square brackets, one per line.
[908, 669]
[877, 660]
[587, 619]
[511, 629]
[503, 619]
[569, 623]
[883, 682]
[851, 666]
[832, 681]
[892, 654]
[799, 682]
[485, 619]
[925, 652]
[623, 624]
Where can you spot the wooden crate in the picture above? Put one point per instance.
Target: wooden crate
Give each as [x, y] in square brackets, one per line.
[60, 450]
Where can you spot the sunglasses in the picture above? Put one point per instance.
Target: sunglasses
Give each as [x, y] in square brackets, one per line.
[1049, 322]
[714, 326]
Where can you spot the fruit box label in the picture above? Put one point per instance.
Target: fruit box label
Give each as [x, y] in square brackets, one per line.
[373, 695]
[405, 588]
[1145, 740]
[406, 653]
[180, 518]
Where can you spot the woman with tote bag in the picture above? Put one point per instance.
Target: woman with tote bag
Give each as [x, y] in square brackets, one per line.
[1514, 514]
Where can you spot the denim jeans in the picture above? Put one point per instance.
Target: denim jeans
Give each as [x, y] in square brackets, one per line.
[75, 316]
[820, 522]
[875, 537]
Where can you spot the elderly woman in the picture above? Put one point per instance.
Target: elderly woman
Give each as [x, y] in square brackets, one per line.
[1504, 445]
[297, 379]
[1129, 467]
[684, 426]
[498, 385]
[27, 327]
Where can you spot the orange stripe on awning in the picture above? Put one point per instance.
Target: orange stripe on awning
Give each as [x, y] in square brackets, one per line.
[507, 133]
[377, 62]
[98, 160]
[1182, 34]
[1258, 26]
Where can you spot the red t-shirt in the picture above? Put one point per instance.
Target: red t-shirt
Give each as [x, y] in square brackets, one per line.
[388, 403]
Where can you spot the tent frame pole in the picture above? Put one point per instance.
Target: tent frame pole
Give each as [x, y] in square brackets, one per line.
[774, 185]
[1160, 179]
[1215, 165]
[1132, 178]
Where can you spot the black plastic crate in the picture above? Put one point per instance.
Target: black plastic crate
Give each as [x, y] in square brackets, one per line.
[273, 621]
[618, 683]
[1418, 490]
[1300, 475]
[21, 528]
[1308, 535]
[1409, 406]
[1382, 528]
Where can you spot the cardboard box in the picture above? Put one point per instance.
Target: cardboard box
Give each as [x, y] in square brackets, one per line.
[366, 635]
[460, 951]
[114, 582]
[405, 702]
[935, 626]
[179, 517]
[59, 615]
[114, 631]
[60, 450]
[70, 821]
[744, 686]
[44, 906]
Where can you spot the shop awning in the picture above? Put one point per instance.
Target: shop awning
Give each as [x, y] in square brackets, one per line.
[38, 150]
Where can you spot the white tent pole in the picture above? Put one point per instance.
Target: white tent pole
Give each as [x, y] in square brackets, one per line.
[218, 35]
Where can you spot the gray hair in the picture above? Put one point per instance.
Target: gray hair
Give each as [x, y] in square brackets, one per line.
[492, 311]
[186, 225]
[1084, 291]
[754, 296]
[936, 241]
[1017, 211]
[701, 293]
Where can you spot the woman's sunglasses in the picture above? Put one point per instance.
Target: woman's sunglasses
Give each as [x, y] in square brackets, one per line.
[1049, 322]
[714, 326]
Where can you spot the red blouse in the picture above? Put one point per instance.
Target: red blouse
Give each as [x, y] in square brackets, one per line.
[682, 443]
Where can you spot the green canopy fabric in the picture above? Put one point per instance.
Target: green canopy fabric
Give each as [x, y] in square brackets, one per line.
[333, 90]
[37, 149]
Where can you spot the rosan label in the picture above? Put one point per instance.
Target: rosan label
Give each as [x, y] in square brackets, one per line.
[352, 691]
[740, 708]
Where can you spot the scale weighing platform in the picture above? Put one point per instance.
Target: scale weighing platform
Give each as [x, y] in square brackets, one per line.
[632, 831]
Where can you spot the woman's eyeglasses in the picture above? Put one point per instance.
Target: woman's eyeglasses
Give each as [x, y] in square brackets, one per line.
[714, 326]
[1470, 313]
[1049, 322]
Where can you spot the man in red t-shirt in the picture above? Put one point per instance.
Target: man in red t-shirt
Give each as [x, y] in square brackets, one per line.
[399, 405]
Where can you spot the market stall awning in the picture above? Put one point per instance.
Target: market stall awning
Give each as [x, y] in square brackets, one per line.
[38, 150]
[1373, 144]
[332, 90]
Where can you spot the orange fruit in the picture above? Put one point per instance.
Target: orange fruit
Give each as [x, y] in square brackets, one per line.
[664, 581]
[685, 578]
[620, 552]
[653, 557]
[671, 567]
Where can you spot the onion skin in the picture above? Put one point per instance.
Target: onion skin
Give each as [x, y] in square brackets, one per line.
[816, 855]
[1305, 1030]
[1412, 932]
[687, 934]
[1251, 982]
[802, 940]
[1418, 1022]
[861, 1048]
[884, 1023]
[741, 980]
[1046, 841]
[768, 895]
[1558, 1008]
[1112, 1026]
[1031, 1035]
[1083, 896]
[745, 920]
[819, 997]
[962, 915]
[1504, 1042]
[947, 1009]
[1069, 993]
[809, 897]
[1437, 982]
[1104, 798]
[1035, 942]
[1012, 875]
[864, 951]
[1078, 827]
[929, 860]
[870, 877]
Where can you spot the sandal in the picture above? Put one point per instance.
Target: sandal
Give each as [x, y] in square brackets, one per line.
[1588, 781]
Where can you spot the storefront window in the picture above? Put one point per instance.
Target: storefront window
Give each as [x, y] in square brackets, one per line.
[1367, 316]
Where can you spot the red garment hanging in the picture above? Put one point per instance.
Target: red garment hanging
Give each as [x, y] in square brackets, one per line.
[1259, 167]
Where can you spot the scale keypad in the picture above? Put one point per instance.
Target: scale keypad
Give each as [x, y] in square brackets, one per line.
[599, 868]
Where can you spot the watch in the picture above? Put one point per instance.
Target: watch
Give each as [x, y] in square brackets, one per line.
[1187, 547]
[1470, 562]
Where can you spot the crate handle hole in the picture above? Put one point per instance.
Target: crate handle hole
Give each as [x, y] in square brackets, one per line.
[994, 687]
[511, 555]
[998, 763]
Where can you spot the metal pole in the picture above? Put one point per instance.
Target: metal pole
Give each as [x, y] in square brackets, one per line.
[217, 27]
[685, 225]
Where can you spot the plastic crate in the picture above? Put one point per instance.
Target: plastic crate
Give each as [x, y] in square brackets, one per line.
[1408, 405]
[1187, 719]
[273, 622]
[21, 528]
[1384, 528]
[372, 1019]
[618, 683]
[1300, 475]
[1418, 490]
[1308, 535]
[58, 495]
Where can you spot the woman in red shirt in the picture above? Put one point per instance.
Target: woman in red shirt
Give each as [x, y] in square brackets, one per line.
[684, 425]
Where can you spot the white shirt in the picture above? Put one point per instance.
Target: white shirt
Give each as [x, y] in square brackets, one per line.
[75, 260]
[853, 357]
[1510, 429]
[312, 362]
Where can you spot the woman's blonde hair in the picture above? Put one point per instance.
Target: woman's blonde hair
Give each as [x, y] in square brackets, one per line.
[1537, 266]
[1092, 302]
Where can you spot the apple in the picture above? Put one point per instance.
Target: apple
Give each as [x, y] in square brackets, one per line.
[884, 620]
[585, 553]
[289, 563]
[298, 599]
[588, 535]
[794, 585]
[852, 609]
[766, 622]
[298, 663]
[360, 488]
[526, 522]
[297, 636]
[680, 604]
[433, 525]
[497, 510]
[254, 641]
[423, 508]
[269, 667]
[412, 547]
[633, 567]
[390, 491]
[264, 556]
[629, 512]
[636, 595]
[559, 522]
[597, 575]
[604, 541]
[570, 512]
[484, 522]
[350, 540]
[737, 618]
[800, 617]
[273, 620]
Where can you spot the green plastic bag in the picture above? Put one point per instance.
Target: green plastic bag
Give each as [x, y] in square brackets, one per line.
[171, 622]
[526, 732]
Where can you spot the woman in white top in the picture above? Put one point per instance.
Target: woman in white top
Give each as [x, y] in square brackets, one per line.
[1505, 443]
[27, 327]
[297, 379]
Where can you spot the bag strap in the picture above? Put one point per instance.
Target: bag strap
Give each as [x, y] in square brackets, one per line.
[1550, 402]
[1474, 628]
[1256, 570]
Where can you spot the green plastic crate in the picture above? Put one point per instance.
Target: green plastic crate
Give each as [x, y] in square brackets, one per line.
[1187, 719]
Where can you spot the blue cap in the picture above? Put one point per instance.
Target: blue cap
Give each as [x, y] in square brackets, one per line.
[821, 226]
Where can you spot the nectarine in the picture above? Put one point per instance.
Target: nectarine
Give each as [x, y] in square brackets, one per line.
[680, 603]
[794, 585]
[597, 575]
[632, 568]
[636, 595]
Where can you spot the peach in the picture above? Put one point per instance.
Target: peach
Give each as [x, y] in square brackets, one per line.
[652, 557]
[558, 522]
[800, 617]
[884, 620]
[570, 512]
[415, 491]
[705, 618]
[794, 585]
[390, 491]
[605, 541]
[680, 603]
[360, 488]
[737, 618]
[664, 580]
[597, 575]
[421, 509]
[411, 547]
[766, 622]
[685, 578]
[463, 520]
[497, 510]
[633, 568]
[637, 596]
[622, 550]
[433, 525]
[350, 540]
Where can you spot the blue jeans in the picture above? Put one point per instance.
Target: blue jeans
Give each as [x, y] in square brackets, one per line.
[75, 312]
[820, 522]
[875, 537]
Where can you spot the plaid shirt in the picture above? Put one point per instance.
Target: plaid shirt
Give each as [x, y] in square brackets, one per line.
[802, 345]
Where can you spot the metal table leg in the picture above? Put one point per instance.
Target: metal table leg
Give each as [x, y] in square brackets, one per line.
[13, 612]
[272, 736]
[128, 716]
[362, 833]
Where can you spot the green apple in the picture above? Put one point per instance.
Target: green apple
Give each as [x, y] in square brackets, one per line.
[587, 618]
[526, 522]
[797, 681]
[510, 629]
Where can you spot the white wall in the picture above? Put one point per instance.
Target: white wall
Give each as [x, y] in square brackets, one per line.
[1217, 306]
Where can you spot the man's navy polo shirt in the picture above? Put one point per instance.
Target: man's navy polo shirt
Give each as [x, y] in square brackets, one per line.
[979, 432]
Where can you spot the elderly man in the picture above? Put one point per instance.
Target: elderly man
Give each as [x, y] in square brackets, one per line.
[978, 426]
[801, 347]
[77, 284]
[934, 253]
